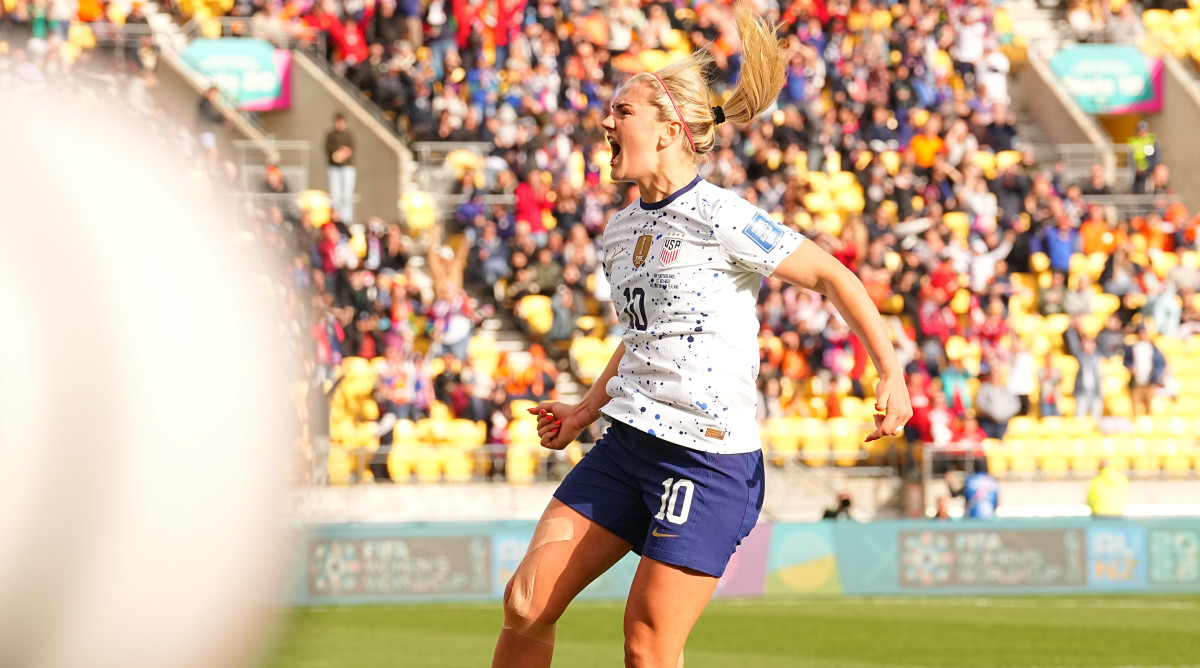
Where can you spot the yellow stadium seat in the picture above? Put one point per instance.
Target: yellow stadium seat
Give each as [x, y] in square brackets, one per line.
[1183, 21]
[1039, 262]
[1022, 463]
[781, 437]
[537, 313]
[524, 433]
[1084, 460]
[1002, 21]
[958, 222]
[855, 408]
[521, 467]
[341, 465]
[818, 181]
[81, 35]
[986, 162]
[819, 201]
[1006, 159]
[419, 210]
[457, 466]
[401, 461]
[1021, 426]
[1156, 20]
[405, 432]
[433, 430]
[211, 28]
[881, 20]
[1146, 463]
[846, 440]
[891, 161]
[850, 200]
[1051, 427]
[842, 181]
[441, 412]
[1051, 458]
[428, 466]
[369, 410]
[357, 367]
[815, 453]
[520, 408]
[997, 462]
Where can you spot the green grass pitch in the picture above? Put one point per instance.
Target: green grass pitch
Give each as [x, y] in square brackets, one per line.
[1043, 632]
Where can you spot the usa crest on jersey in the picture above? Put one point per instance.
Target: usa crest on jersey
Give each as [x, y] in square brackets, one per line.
[670, 251]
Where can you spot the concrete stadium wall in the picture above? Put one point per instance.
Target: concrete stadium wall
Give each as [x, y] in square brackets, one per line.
[379, 156]
[793, 495]
[1063, 121]
[1176, 129]
[428, 562]
[180, 90]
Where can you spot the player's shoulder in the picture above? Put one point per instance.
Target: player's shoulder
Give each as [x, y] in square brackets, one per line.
[720, 205]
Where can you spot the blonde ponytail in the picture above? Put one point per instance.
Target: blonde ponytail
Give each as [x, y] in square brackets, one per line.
[682, 93]
[763, 68]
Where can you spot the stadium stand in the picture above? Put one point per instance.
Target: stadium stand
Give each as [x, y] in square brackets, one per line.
[892, 146]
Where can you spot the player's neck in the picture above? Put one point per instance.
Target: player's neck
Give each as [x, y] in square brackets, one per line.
[662, 185]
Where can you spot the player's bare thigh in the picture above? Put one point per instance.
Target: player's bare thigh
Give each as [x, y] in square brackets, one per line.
[664, 603]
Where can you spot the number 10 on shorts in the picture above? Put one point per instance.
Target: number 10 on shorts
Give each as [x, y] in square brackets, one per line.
[670, 500]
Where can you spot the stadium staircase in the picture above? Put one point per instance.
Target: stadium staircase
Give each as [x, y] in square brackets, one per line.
[430, 201]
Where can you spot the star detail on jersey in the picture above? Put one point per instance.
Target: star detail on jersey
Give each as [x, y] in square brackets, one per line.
[670, 251]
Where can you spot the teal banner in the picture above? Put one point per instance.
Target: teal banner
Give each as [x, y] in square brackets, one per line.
[397, 563]
[251, 71]
[1110, 78]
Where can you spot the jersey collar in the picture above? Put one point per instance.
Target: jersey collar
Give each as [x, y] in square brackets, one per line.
[654, 206]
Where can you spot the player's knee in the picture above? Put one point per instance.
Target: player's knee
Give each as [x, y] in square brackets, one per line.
[526, 616]
[642, 651]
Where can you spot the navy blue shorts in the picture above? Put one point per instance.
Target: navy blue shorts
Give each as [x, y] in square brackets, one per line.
[675, 505]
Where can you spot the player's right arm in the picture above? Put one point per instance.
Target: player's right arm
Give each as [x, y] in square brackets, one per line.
[559, 423]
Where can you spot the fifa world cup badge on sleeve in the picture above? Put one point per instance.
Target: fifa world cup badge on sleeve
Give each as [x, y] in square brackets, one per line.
[764, 232]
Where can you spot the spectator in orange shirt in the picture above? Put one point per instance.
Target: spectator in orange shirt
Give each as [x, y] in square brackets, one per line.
[1095, 236]
[927, 146]
[1158, 233]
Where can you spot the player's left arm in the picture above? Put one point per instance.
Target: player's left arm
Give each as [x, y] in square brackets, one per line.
[811, 267]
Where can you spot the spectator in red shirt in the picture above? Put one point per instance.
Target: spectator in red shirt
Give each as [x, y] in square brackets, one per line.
[533, 201]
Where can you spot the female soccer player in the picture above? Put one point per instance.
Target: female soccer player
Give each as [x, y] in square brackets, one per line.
[678, 477]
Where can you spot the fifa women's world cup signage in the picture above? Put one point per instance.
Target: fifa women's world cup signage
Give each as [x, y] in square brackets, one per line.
[250, 71]
[445, 562]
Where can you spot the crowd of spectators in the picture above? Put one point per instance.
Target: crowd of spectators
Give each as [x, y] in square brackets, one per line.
[909, 98]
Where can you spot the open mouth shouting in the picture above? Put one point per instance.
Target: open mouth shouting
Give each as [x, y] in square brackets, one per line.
[616, 149]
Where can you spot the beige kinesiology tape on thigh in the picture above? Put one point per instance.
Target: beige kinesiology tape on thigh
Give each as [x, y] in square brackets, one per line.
[520, 598]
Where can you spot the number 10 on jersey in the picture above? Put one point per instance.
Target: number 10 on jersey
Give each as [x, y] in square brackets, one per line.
[635, 305]
[671, 502]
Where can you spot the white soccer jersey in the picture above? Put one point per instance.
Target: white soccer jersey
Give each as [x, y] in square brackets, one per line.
[685, 275]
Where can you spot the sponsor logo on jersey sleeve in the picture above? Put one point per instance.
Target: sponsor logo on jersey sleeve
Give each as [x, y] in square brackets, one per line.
[670, 251]
[642, 250]
[764, 232]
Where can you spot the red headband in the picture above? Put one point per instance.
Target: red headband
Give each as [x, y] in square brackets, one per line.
[686, 131]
